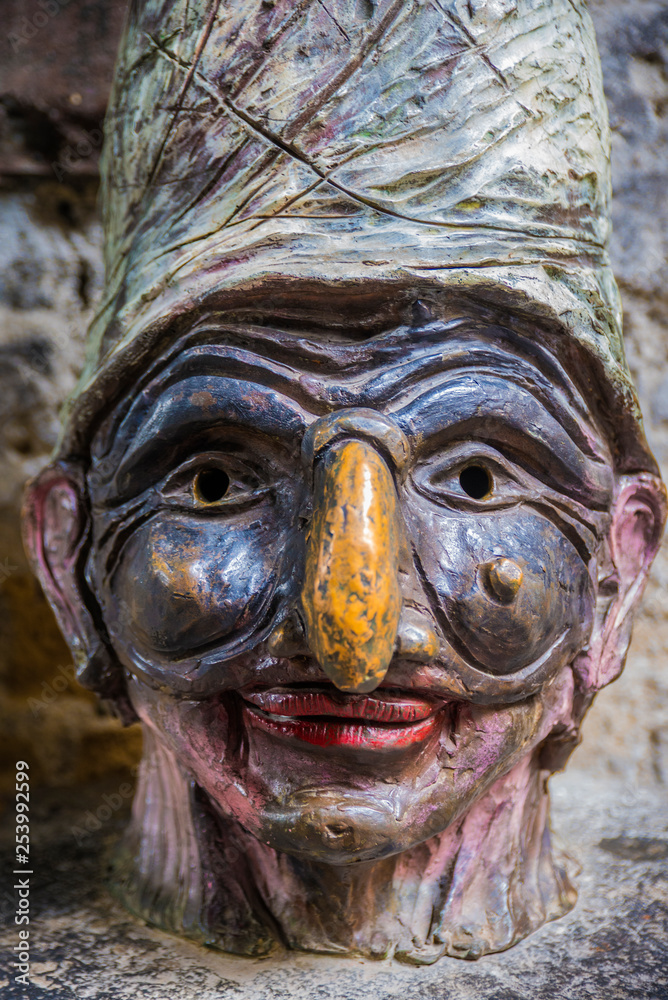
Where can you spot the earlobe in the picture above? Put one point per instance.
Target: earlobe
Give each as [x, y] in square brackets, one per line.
[638, 519]
[55, 534]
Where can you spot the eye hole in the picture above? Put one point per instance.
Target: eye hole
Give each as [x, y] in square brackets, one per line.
[476, 481]
[211, 485]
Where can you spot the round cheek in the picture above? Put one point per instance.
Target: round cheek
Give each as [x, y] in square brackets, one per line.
[510, 584]
[182, 584]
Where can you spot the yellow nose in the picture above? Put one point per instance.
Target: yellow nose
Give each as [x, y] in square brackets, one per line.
[351, 596]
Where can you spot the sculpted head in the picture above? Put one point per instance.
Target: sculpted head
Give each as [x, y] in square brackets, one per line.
[353, 506]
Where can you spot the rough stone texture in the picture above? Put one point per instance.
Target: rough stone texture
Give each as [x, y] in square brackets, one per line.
[55, 69]
[50, 272]
[613, 944]
[56, 64]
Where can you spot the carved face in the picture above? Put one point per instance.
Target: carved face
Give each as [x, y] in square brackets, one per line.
[348, 578]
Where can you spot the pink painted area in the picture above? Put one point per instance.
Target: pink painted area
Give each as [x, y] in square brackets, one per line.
[636, 527]
[638, 519]
[54, 529]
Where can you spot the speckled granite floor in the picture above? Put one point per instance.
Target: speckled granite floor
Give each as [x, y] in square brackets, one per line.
[613, 945]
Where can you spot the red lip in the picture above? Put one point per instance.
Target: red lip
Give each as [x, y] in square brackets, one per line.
[331, 718]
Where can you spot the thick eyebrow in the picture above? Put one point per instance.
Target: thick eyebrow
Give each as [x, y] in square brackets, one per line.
[525, 364]
[160, 424]
[234, 362]
[485, 406]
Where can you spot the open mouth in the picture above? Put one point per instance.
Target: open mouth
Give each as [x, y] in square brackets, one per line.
[326, 717]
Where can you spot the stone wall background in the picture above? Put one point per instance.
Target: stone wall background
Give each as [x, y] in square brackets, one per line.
[56, 64]
[627, 729]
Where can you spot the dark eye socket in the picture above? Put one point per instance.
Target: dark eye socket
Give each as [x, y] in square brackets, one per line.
[476, 481]
[211, 485]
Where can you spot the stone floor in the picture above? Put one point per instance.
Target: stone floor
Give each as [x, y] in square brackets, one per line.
[613, 945]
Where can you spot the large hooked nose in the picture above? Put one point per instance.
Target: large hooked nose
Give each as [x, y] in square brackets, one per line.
[351, 596]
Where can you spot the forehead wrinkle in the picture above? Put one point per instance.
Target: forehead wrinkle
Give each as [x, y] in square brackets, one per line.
[383, 355]
[240, 365]
[338, 351]
[292, 377]
[197, 401]
[277, 349]
[304, 367]
[575, 420]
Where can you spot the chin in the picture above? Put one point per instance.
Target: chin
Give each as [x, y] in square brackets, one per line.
[245, 835]
[342, 788]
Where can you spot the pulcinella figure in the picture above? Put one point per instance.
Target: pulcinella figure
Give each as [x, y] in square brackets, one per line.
[352, 506]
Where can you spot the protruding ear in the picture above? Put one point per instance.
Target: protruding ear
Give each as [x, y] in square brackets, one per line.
[638, 519]
[55, 533]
